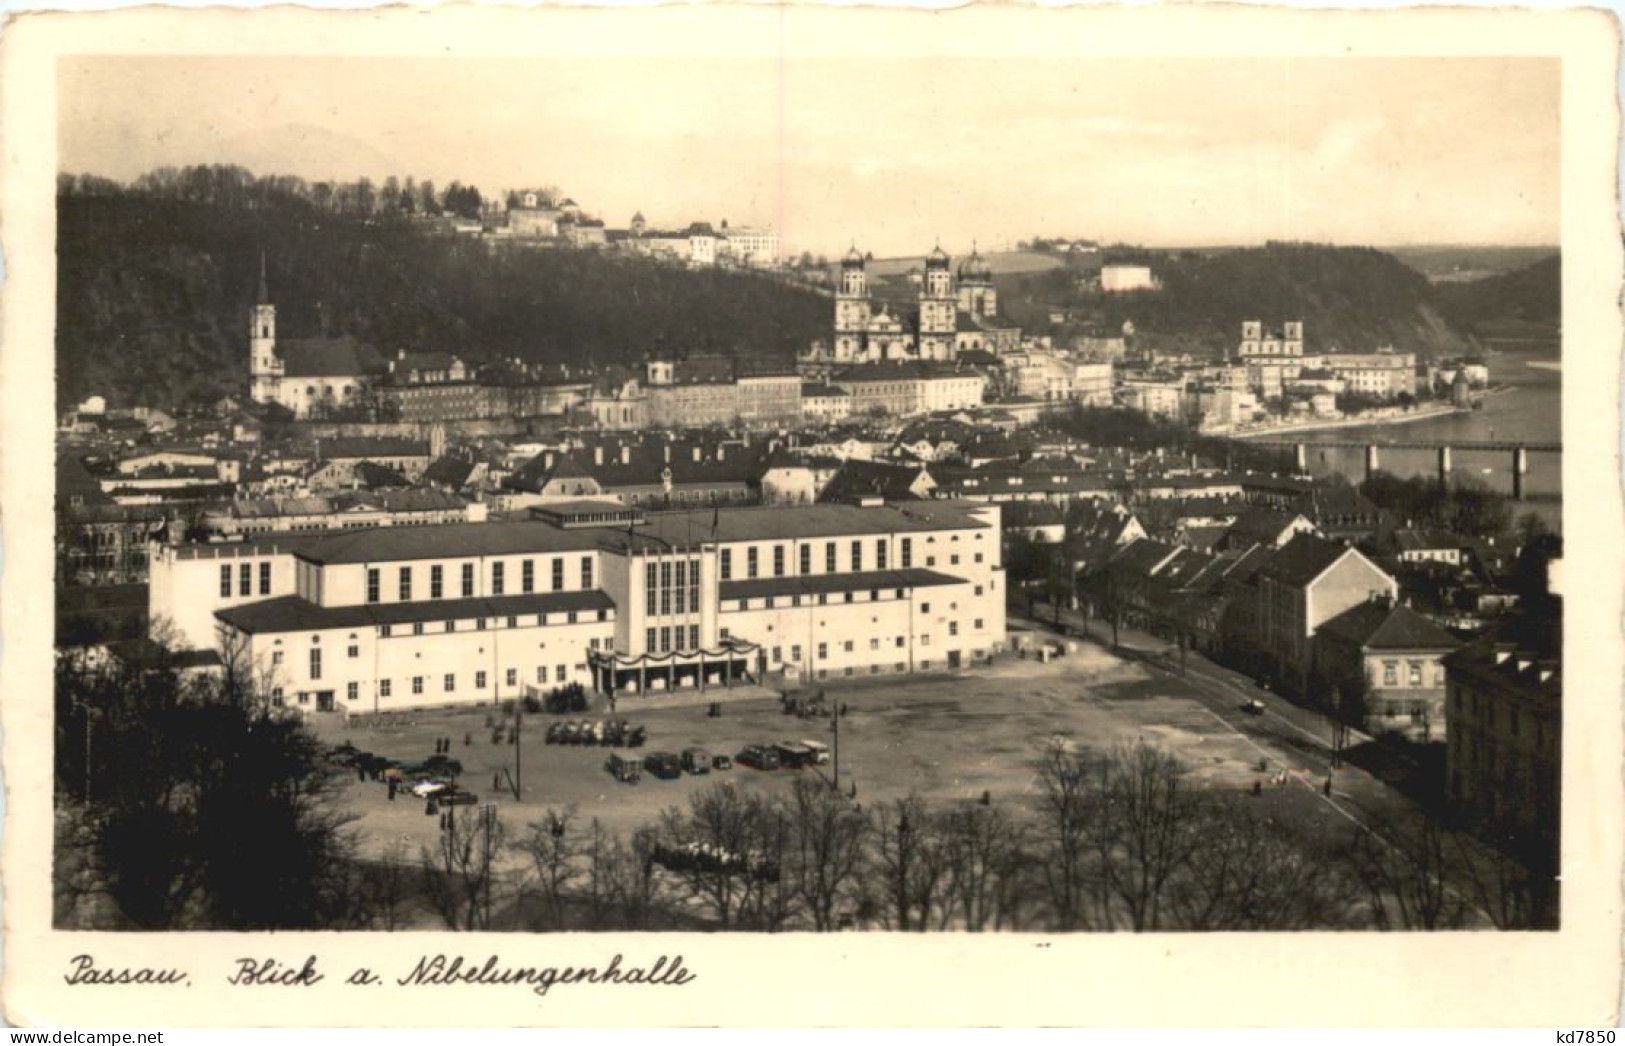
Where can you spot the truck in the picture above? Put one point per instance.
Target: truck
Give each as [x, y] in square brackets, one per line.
[794, 755]
[663, 765]
[696, 760]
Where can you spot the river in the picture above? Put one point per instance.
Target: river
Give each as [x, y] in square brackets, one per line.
[1531, 410]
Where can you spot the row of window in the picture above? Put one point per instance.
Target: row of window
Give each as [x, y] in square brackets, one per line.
[245, 579]
[855, 560]
[672, 587]
[499, 581]
[448, 682]
[1413, 673]
[671, 637]
[774, 602]
[569, 617]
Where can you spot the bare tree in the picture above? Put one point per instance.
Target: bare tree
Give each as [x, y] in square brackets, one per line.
[552, 849]
[1406, 864]
[722, 827]
[460, 872]
[1064, 833]
[827, 842]
[1253, 874]
[1146, 829]
[977, 843]
[632, 878]
[599, 851]
[385, 890]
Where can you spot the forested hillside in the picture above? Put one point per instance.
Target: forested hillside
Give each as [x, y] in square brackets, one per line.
[1351, 298]
[153, 294]
[1531, 298]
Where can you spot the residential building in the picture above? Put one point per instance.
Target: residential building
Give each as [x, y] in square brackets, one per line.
[824, 404]
[1384, 666]
[1308, 582]
[1503, 754]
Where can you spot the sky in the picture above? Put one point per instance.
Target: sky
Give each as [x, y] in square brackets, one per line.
[894, 154]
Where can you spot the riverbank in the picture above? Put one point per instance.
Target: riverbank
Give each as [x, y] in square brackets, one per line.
[1352, 422]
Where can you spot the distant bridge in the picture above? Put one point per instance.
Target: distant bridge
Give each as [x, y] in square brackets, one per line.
[1444, 449]
[1507, 446]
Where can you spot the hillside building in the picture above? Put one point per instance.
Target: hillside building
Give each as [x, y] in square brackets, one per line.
[311, 377]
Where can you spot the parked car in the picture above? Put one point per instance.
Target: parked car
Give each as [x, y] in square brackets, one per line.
[456, 797]
[424, 789]
[1253, 706]
[758, 757]
[721, 762]
[696, 760]
[623, 768]
[793, 755]
[663, 765]
[443, 764]
[819, 749]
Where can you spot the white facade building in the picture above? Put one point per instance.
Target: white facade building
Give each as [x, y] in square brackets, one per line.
[373, 620]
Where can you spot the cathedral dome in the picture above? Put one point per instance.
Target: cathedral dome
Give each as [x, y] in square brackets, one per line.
[853, 259]
[937, 259]
[975, 268]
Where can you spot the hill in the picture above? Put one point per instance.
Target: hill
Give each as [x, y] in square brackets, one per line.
[1451, 264]
[1352, 298]
[1525, 303]
[153, 296]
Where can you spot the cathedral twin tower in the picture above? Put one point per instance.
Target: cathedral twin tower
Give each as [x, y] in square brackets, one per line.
[929, 330]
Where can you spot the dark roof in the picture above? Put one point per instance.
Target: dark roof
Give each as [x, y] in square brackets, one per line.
[1142, 556]
[293, 614]
[1303, 559]
[1509, 667]
[1031, 514]
[1205, 538]
[328, 358]
[1262, 523]
[1377, 625]
[448, 472]
[1414, 539]
[447, 541]
[374, 476]
[824, 584]
[859, 478]
[766, 523]
[899, 370]
[362, 447]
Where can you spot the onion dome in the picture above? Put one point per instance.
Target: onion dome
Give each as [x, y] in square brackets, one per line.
[975, 268]
[853, 259]
[937, 259]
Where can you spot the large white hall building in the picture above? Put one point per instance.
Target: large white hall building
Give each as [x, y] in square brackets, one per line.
[595, 593]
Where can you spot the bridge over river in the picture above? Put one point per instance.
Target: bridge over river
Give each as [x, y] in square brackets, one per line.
[1444, 451]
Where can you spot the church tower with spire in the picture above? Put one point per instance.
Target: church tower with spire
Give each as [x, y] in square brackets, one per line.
[264, 368]
[852, 308]
[938, 308]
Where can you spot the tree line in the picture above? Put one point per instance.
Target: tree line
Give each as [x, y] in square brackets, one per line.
[228, 185]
